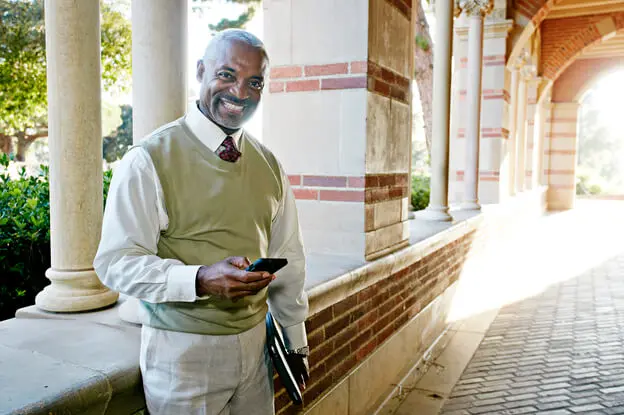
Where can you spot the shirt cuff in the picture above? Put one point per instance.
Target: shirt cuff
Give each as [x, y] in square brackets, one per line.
[181, 283]
[296, 336]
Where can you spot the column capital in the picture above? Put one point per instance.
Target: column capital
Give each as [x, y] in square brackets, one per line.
[529, 73]
[521, 60]
[492, 30]
[457, 8]
[477, 8]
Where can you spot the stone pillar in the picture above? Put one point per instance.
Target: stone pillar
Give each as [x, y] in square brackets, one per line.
[159, 57]
[563, 144]
[545, 109]
[337, 113]
[438, 200]
[159, 84]
[532, 145]
[494, 100]
[75, 139]
[520, 136]
[513, 117]
[476, 11]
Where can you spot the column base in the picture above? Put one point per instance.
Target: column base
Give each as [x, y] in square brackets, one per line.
[74, 291]
[472, 206]
[434, 213]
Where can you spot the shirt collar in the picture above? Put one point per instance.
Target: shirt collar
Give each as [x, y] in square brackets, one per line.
[209, 133]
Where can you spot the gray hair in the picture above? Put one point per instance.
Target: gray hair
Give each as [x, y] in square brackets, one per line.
[228, 35]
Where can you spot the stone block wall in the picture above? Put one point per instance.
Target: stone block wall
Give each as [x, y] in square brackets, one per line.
[344, 334]
[562, 154]
[338, 116]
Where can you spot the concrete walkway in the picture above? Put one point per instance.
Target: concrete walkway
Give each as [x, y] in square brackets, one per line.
[555, 345]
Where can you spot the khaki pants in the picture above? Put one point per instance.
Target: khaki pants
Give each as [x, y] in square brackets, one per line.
[187, 373]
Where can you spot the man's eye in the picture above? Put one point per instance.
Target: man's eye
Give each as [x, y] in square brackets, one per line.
[225, 75]
[257, 85]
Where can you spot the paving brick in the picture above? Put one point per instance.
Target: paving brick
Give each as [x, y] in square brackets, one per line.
[552, 405]
[558, 353]
[586, 408]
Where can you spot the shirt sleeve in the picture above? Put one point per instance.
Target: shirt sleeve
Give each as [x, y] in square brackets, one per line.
[126, 259]
[288, 300]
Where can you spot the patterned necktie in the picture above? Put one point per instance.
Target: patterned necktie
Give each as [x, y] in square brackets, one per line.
[227, 150]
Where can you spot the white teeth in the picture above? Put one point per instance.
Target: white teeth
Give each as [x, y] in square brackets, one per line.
[232, 107]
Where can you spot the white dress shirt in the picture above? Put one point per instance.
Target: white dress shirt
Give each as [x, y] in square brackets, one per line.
[135, 215]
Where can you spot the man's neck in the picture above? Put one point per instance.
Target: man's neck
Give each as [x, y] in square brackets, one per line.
[206, 113]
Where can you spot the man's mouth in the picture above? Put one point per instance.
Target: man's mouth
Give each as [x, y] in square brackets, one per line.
[231, 107]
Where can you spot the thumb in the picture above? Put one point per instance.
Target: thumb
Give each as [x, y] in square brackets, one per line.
[239, 262]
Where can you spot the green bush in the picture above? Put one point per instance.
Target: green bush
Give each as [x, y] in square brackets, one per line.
[585, 185]
[24, 236]
[420, 192]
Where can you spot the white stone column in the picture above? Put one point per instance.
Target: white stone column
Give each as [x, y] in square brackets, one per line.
[520, 137]
[521, 123]
[515, 80]
[533, 134]
[438, 199]
[159, 56]
[476, 11]
[159, 81]
[545, 109]
[512, 116]
[75, 139]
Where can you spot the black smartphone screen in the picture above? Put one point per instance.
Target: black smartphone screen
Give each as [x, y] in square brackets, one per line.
[270, 265]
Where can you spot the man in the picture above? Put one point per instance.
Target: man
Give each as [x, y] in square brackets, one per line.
[188, 207]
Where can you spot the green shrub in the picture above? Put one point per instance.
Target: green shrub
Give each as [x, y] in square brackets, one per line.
[585, 185]
[420, 192]
[24, 236]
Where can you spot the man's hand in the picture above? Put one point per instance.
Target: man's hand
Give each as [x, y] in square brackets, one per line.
[299, 366]
[228, 279]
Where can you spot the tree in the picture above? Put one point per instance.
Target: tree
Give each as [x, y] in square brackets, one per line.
[423, 68]
[239, 22]
[23, 84]
[115, 145]
[600, 148]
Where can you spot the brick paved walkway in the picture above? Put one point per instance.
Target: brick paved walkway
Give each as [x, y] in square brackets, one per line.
[560, 352]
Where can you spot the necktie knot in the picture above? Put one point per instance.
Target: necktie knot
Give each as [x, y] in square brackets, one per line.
[227, 150]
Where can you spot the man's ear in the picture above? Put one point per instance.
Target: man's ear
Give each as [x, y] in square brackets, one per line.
[200, 70]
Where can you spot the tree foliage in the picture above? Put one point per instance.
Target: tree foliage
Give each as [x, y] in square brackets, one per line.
[116, 144]
[600, 150]
[23, 83]
[237, 23]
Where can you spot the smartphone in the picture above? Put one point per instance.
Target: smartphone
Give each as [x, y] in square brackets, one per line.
[270, 265]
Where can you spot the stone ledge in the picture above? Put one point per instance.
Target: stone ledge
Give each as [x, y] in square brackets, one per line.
[88, 362]
[81, 367]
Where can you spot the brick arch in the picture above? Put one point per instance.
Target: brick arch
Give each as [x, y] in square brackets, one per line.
[564, 39]
[534, 11]
[581, 75]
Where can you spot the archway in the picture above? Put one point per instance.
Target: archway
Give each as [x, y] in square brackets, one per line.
[569, 122]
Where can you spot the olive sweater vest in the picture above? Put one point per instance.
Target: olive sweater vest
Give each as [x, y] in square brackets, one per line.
[216, 209]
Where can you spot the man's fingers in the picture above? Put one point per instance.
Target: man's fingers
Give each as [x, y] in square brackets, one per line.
[239, 262]
[254, 286]
[248, 277]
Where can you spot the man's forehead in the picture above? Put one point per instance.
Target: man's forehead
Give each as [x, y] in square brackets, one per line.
[238, 53]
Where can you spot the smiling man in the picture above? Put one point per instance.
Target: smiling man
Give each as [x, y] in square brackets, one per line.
[188, 207]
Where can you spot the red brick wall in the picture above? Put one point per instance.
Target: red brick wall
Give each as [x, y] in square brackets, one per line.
[344, 334]
[581, 74]
[564, 39]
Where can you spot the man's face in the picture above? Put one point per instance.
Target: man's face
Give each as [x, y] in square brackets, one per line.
[231, 86]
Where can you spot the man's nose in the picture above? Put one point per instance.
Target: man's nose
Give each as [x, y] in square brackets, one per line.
[239, 90]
